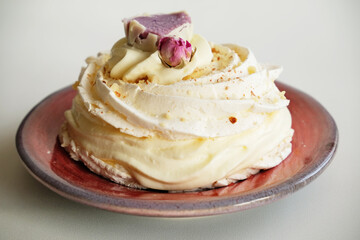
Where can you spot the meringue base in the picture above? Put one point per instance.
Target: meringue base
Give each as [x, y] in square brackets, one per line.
[118, 174]
[176, 165]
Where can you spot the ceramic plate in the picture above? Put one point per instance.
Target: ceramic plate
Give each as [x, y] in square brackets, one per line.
[314, 144]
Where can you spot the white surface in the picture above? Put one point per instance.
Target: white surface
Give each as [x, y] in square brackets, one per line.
[43, 44]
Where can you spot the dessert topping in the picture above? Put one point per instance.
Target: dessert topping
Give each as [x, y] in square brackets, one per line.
[144, 32]
[232, 120]
[174, 52]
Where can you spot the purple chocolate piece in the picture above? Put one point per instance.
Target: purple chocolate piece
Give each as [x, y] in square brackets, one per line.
[145, 31]
[161, 24]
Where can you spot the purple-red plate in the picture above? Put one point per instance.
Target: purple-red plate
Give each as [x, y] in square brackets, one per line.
[314, 144]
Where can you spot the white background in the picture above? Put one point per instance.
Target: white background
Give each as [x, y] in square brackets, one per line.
[43, 45]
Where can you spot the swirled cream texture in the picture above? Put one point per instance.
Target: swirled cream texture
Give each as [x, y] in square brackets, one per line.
[217, 120]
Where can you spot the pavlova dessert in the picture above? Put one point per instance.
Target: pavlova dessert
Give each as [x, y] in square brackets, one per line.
[168, 110]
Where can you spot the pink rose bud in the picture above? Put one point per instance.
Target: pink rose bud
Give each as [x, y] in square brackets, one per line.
[174, 51]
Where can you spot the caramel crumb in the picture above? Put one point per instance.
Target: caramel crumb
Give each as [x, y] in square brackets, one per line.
[75, 85]
[251, 69]
[226, 88]
[166, 115]
[214, 50]
[282, 95]
[252, 93]
[117, 93]
[232, 120]
[142, 79]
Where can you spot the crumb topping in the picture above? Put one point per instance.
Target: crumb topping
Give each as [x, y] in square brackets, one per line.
[117, 93]
[232, 120]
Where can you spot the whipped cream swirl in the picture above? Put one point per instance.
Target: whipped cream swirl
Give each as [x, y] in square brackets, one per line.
[230, 94]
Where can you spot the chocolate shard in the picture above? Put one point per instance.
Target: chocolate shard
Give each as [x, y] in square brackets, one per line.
[144, 32]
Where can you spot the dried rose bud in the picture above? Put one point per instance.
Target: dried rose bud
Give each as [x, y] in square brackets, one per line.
[174, 51]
